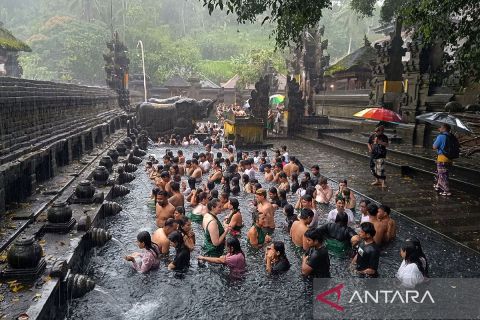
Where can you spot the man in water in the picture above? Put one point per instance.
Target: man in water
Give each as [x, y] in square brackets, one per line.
[291, 167]
[299, 227]
[380, 228]
[268, 173]
[377, 147]
[315, 262]
[265, 207]
[204, 164]
[315, 176]
[177, 199]
[306, 202]
[160, 236]
[389, 224]
[164, 209]
[340, 208]
[368, 254]
[248, 169]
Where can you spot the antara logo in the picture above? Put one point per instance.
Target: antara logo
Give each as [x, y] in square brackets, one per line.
[338, 290]
[376, 297]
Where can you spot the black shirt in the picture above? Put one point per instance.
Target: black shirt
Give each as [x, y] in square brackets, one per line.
[281, 265]
[315, 179]
[367, 256]
[319, 261]
[378, 151]
[338, 232]
[182, 258]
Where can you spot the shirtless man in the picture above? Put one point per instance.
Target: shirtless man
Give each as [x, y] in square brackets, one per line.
[380, 227]
[300, 226]
[268, 173]
[165, 181]
[283, 182]
[384, 217]
[196, 171]
[164, 209]
[177, 199]
[265, 207]
[160, 236]
[291, 167]
[276, 172]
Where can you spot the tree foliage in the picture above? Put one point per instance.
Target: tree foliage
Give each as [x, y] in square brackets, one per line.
[455, 23]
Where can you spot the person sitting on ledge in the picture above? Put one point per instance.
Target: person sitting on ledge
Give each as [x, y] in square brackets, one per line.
[149, 258]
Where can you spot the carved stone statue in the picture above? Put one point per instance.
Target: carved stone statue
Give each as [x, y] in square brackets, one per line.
[296, 105]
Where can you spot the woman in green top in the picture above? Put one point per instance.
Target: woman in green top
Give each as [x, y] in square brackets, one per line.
[215, 233]
[234, 219]
[256, 236]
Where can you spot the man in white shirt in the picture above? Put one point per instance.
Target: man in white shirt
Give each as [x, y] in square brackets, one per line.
[203, 162]
[249, 169]
[340, 207]
[285, 153]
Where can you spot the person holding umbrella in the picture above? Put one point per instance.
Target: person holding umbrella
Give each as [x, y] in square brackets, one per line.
[443, 162]
[377, 147]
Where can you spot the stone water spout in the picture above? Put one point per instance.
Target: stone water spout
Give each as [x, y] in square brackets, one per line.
[97, 237]
[77, 285]
[133, 159]
[119, 191]
[111, 208]
[139, 152]
[124, 177]
[85, 192]
[130, 167]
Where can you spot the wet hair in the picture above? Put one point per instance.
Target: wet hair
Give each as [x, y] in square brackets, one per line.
[194, 161]
[310, 191]
[307, 197]
[292, 159]
[316, 167]
[366, 201]
[314, 234]
[162, 193]
[385, 208]
[180, 152]
[175, 186]
[155, 191]
[213, 194]
[235, 204]
[340, 199]
[289, 210]
[279, 246]
[268, 165]
[369, 228]
[202, 196]
[257, 186]
[235, 181]
[372, 209]
[282, 175]
[180, 210]
[170, 222]
[306, 213]
[294, 177]
[211, 185]
[342, 218]
[304, 184]
[224, 195]
[418, 247]
[212, 204]
[273, 190]
[343, 181]
[245, 178]
[145, 238]
[282, 194]
[412, 255]
[176, 237]
[234, 243]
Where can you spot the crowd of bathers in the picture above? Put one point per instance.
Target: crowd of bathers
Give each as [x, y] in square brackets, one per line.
[205, 189]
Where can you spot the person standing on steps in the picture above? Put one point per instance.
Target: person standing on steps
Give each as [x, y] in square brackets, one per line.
[377, 147]
[444, 144]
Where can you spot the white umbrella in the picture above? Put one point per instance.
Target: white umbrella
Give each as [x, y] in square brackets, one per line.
[439, 118]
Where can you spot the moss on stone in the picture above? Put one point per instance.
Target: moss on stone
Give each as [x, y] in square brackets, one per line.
[9, 43]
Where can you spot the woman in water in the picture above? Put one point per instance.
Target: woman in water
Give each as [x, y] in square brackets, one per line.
[150, 257]
[201, 209]
[216, 176]
[215, 233]
[411, 270]
[235, 186]
[275, 259]
[185, 227]
[234, 219]
[344, 193]
[234, 259]
[423, 258]
[282, 195]
[179, 213]
[182, 253]
[256, 236]
[290, 216]
[294, 186]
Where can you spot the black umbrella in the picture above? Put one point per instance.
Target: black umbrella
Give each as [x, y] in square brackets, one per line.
[439, 118]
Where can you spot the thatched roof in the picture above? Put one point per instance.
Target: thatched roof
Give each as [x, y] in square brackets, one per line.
[359, 60]
[9, 43]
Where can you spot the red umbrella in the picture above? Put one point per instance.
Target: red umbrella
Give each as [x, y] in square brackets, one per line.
[380, 114]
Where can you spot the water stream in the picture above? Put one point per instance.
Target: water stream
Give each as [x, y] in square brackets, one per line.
[207, 292]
